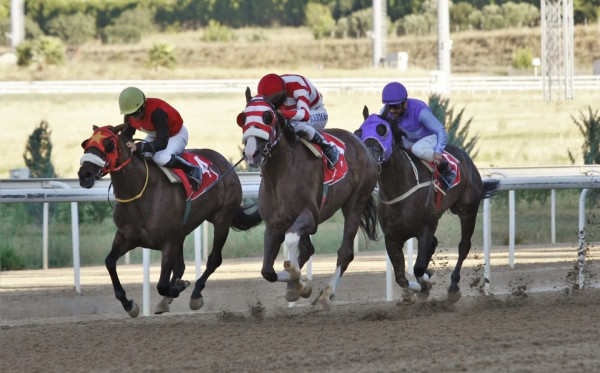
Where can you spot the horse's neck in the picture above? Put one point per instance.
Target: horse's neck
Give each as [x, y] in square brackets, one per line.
[132, 177]
[288, 163]
[401, 170]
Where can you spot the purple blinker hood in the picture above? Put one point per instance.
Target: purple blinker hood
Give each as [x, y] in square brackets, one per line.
[369, 131]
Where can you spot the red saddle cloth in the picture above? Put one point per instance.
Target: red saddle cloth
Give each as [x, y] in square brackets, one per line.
[441, 184]
[337, 173]
[208, 175]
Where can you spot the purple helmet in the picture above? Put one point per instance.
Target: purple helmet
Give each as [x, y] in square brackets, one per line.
[394, 93]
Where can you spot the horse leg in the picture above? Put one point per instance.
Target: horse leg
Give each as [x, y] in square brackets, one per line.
[176, 281]
[295, 290]
[119, 247]
[273, 240]
[295, 287]
[221, 231]
[426, 247]
[467, 224]
[345, 253]
[171, 253]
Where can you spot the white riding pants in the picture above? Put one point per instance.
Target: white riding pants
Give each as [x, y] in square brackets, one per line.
[316, 123]
[175, 146]
[423, 148]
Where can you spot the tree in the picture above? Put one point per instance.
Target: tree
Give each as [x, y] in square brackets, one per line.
[38, 152]
[37, 157]
[590, 129]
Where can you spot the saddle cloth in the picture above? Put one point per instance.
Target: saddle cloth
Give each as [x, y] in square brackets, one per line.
[337, 173]
[176, 175]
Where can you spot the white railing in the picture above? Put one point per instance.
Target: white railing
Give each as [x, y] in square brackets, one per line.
[511, 179]
[423, 84]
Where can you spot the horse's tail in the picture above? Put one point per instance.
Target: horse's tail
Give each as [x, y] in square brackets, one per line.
[368, 220]
[242, 221]
[490, 186]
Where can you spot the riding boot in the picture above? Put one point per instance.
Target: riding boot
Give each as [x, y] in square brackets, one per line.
[331, 151]
[447, 173]
[193, 172]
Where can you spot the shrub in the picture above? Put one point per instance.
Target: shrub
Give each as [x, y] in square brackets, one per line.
[217, 32]
[73, 29]
[522, 58]
[44, 51]
[319, 20]
[590, 129]
[161, 55]
[9, 260]
[129, 27]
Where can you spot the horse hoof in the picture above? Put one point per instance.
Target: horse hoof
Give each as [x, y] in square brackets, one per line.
[182, 284]
[134, 311]
[306, 291]
[291, 293]
[323, 302]
[415, 287]
[163, 305]
[196, 304]
[454, 297]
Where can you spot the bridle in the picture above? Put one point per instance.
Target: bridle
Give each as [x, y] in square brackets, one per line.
[111, 163]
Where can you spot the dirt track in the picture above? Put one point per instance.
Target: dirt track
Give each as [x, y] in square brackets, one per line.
[247, 326]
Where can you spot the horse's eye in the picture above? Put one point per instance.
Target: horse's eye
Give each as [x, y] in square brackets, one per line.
[382, 130]
[267, 118]
[241, 119]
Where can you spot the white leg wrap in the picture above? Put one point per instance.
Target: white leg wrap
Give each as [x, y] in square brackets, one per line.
[335, 280]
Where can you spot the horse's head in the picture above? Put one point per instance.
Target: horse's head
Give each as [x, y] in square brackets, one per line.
[262, 126]
[103, 153]
[377, 135]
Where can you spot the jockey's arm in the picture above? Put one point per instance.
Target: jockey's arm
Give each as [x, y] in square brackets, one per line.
[159, 119]
[427, 118]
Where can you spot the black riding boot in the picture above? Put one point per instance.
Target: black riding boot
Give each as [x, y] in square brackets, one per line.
[448, 174]
[331, 151]
[194, 172]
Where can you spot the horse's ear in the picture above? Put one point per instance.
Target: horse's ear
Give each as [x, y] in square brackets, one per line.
[358, 133]
[365, 112]
[119, 128]
[248, 94]
[94, 127]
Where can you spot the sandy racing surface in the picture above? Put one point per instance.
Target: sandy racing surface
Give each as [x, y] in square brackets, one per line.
[532, 322]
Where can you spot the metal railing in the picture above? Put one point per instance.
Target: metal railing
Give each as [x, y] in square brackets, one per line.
[422, 84]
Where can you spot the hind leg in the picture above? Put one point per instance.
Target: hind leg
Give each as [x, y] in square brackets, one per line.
[215, 258]
[467, 227]
[176, 281]
[427, 243]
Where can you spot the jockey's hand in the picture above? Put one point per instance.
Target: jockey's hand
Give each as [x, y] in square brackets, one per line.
[437, 158]
[131, 146]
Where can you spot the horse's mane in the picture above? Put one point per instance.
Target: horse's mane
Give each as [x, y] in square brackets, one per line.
[286, 128]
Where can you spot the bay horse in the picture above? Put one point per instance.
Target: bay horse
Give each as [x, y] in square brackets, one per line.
[293, 199]
[152, 212]
[408, 208]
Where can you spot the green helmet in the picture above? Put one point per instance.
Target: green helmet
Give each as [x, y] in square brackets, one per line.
[130, 99]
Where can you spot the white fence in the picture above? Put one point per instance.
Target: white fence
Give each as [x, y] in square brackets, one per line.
[511, 179]
[423, 84]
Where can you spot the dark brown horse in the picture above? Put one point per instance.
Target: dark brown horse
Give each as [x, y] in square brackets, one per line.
[151, 212]
[407, 202]
[293, 199]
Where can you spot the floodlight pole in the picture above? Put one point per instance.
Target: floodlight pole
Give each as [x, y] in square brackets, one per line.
[17, 23]
[444, 45]
[379, 31]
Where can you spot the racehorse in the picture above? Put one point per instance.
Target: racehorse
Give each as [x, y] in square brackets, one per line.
[411, 202]
[294, 197]
[152, 212]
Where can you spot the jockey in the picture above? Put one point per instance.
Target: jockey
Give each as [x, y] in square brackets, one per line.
[425, 135]
[166, 137]
[300, 103]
